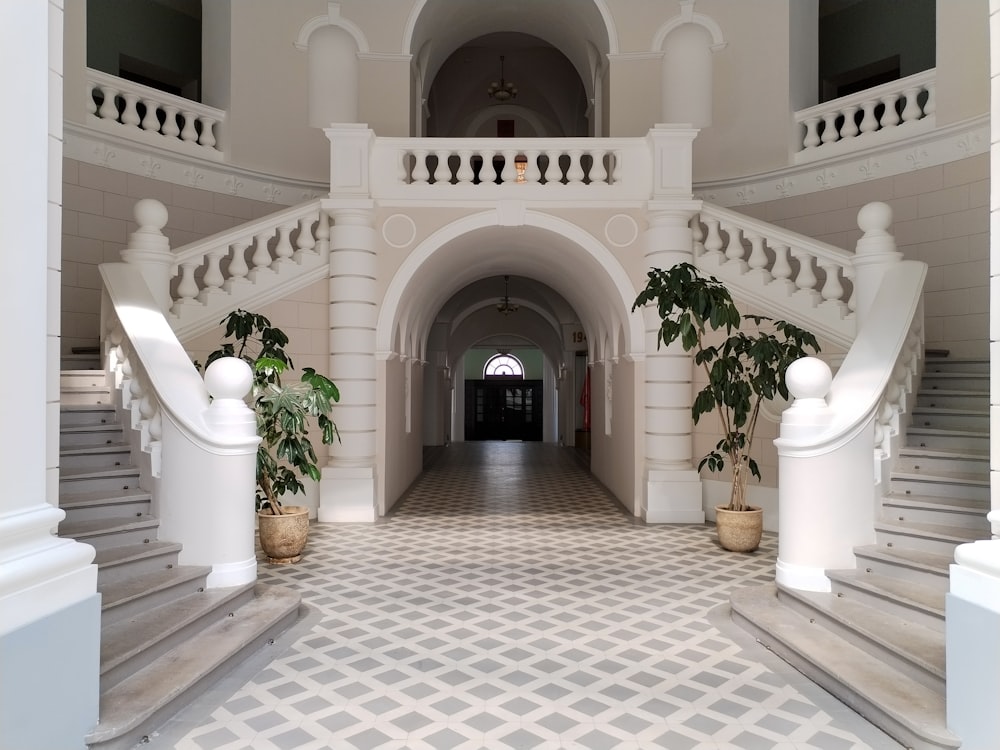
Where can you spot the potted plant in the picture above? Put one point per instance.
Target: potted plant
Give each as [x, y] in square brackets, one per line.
[284, 411]
[744, 369]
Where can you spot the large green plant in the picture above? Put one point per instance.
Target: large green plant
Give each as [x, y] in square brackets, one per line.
[283, 411]
[745, 369]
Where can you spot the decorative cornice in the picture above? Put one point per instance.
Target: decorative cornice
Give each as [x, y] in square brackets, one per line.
[92, 147]
[940, 146]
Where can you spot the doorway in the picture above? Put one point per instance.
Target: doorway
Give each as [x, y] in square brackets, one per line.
[501, 409]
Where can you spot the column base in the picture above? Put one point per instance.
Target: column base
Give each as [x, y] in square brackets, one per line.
[225, 575]
[347, 495]
[674, 496]
[801, 577]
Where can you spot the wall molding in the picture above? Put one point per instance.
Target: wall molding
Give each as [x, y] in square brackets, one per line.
[941, 146]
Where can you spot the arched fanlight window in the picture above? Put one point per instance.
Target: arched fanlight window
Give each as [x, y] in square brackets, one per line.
[503, 366]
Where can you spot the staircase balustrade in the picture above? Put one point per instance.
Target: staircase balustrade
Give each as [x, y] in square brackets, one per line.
[779, 270]
[154, 116]
[892, 110]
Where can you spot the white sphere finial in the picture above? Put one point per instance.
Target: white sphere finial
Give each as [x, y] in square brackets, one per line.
[875, 218]
[150, 214]
[808, 377]
[228, 377]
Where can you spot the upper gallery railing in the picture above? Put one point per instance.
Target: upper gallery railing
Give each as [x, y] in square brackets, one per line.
[870, 117]
[153, 116]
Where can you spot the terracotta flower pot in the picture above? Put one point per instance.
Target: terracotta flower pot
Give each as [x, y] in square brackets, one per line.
[284, 537]
[739, 530]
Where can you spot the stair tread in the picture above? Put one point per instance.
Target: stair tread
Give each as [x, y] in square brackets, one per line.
[943, 504]
[120, 592]
[82, 450]
[925, 392]
[956, 455]
[123, 640]
[126, 553]
[905, 592]
[95, 526]
[915, 643]
[101, 497]
[918, 430]
[83, 429]
[948, 477]
[143, 696]
[86, 407]
[107, 471]
[950, 410]
[927, 561]
[848, 671]
[947, 533]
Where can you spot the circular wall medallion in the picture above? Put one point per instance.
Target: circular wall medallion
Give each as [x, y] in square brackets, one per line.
[621, 230]
[399, 230]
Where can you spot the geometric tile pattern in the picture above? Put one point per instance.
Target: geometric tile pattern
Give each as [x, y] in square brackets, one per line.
[510, 602]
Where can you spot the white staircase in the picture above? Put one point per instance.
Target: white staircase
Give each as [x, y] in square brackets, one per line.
[876, 641]
[164, 636]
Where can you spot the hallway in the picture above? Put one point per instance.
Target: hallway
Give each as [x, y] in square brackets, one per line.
[509, 602]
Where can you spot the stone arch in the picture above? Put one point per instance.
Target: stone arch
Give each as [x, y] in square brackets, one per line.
[688, 43]
[332, 45]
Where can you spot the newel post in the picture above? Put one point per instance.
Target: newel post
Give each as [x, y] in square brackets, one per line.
[825, 503]
[875, 254]
[149, 250]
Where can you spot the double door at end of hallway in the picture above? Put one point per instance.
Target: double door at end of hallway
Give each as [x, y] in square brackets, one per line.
[501, 409]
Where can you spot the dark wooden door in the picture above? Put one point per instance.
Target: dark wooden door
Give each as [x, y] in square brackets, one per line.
[502, 409]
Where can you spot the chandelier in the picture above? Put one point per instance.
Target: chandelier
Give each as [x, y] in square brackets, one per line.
[504, 306]
[501, 91]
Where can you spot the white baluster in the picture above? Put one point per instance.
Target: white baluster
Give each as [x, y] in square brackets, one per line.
[487, 173]
[91, 104]
[126, 382]
[261, 258]
[890, 118]
[912, 109]
[237, 266]
[136, 392]
[147, 408]
[805, 281]
[850, 128]
[109, 109]
[697, 236]
[304, 243]
[735, 249]
[149, 120]
[532, 174]
[442, 176]
[170, 128]
[421, 174]
[930, 106]
[552, 173]
[189, 133]
[830, 134]
[130, 115]
[598, 172]
[812, 133]
[713, 242]
[207, 137]
[283, 249]
[465, 174]
[832, 291]
[852, 300]
[615, 164]
[781, 270]
[758, 258]
[403, 164]
[508, 174]
[213, 279]
[323, 234]
[868, 122]
[187, 288]
[574, 173]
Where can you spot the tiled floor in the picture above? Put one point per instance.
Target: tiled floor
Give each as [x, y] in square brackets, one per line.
[509, 603]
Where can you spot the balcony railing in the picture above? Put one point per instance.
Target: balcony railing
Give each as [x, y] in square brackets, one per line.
[154, 117]
[877, 115]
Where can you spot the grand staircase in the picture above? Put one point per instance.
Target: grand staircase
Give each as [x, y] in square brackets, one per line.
[877, 640]
[165, 637]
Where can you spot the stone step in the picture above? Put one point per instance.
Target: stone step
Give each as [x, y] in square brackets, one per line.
[953, 440]
[942, 398]
[119, 563]
[940, 484]
[76, 378]
[104, 533]
[949, 364]
[913, 602]
[110, 456]
[135, 642]
[940, 511]
[951, 418]
[916, 651]
[955, 381]
[87, 414]
[908, 711]
[140, 593]
[926, 537]
[77, 395]
[93, 505]
[80, 436]
[914, 566]
[140, 704]
[912, 459]
[98, 480]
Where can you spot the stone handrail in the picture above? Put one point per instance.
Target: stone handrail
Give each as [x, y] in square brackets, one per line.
[779, 270]
[870, 117]
[252, 264]
[198, 438]
[153, 116]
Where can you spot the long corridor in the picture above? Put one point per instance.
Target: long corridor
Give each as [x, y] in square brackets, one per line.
[510, 602]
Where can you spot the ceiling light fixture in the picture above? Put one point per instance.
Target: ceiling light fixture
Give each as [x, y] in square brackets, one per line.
[504, 306]
[501, 91]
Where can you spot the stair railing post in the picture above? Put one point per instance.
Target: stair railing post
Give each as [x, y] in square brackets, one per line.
[149, 250]
[876, 252]
[825, 503]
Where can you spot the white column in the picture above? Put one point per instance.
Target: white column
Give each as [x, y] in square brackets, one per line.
[347, 490]
[673, 492]
[49, 629]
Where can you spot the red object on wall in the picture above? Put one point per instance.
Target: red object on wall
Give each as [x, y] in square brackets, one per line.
[585, 401]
